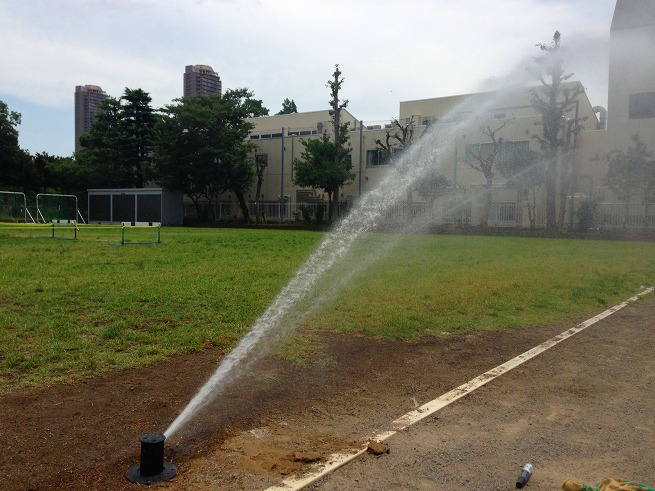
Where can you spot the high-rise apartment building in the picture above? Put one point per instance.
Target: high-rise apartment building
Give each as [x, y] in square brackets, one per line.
[87, 101]
[201, 80]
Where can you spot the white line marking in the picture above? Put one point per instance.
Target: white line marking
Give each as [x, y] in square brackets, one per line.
[337, 460]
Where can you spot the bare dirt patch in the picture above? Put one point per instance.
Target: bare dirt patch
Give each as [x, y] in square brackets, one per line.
[584, 406]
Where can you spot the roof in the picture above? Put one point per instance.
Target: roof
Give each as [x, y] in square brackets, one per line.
[633, 13]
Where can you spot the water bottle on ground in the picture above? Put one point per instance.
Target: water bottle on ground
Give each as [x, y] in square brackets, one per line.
[524, 476]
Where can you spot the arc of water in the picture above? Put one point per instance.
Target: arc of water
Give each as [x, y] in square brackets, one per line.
[334, 246]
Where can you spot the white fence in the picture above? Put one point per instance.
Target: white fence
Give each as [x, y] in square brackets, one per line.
[613, 215]
[454, 212]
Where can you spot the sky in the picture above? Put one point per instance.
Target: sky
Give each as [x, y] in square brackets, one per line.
[388, 51]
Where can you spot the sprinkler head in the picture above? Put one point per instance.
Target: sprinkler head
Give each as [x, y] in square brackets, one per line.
[152, 467]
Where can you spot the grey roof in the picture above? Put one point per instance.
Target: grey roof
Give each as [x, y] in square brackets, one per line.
[633, 13]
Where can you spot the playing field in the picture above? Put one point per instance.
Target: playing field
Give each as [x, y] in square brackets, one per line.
[71, 308]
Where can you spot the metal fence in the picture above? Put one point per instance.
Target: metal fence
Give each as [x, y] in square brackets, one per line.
[613, 215]
[457, 212]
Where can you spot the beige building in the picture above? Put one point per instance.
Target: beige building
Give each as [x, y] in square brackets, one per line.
[448, 131]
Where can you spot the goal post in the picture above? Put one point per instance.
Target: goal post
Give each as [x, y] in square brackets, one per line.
[13, 207]
[57, 207]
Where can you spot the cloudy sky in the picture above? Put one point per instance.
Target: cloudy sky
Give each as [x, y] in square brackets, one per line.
[389, 51]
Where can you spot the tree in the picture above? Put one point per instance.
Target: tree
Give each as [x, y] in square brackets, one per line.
[630, 171]
[138, 123]
[11, 171]
[432, 186]
[522, 168]
[554, 102]
[396, 142]
[401, 137]
[326, 164]
[342, 158]
[288, 107]
[316, 169]
[118, 150]
[202, 146]
[60, 174]
[481, 158]
[101, 155]
[261, 162]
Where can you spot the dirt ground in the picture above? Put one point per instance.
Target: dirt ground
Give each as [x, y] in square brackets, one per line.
[583, 409]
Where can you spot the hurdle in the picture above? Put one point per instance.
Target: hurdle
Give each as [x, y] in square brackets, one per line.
[128, 225]
[56, 222]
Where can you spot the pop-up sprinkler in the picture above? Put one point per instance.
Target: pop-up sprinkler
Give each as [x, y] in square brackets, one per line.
[152, 467]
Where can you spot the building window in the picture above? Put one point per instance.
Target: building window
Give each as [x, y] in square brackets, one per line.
[375, 158]
[381, 157]
[642, 106]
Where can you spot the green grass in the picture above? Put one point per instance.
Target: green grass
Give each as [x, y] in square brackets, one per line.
[72, 308]
[432, 284]
[76, 308]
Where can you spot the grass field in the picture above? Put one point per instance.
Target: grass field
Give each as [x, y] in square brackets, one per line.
[75, 308]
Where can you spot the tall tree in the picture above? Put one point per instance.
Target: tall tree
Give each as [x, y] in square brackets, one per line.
[315, 168]
[288, 107]
[202, 145]
[554, 101]
[482, 158]
[326, 164]
[138, 122]
[118, 149]
[629, 172]
[342, 159]
[261, 162]
[101, 155]
[11, 171]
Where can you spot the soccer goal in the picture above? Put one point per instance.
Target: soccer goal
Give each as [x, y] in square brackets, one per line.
[13, 208]
[51, 207]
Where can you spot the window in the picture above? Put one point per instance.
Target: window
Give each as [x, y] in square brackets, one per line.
[373, 158]
[642, 106]
[379, 156]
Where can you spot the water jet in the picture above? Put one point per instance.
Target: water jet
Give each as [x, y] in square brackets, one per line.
[152, 468]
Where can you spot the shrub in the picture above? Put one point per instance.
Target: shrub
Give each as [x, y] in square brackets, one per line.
[586, 215]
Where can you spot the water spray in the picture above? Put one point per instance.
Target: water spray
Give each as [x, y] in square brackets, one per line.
[152, 468]
[366, 216]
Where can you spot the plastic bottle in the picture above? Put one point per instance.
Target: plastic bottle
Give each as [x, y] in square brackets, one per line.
[524, 476]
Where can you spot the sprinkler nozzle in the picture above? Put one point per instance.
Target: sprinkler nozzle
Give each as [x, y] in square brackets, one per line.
[152, 467]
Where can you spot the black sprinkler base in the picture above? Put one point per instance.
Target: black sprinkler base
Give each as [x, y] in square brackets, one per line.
[152, 467]
[133, 474]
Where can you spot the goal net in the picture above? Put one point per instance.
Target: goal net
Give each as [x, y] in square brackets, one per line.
[51, 207]
[13, 207]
